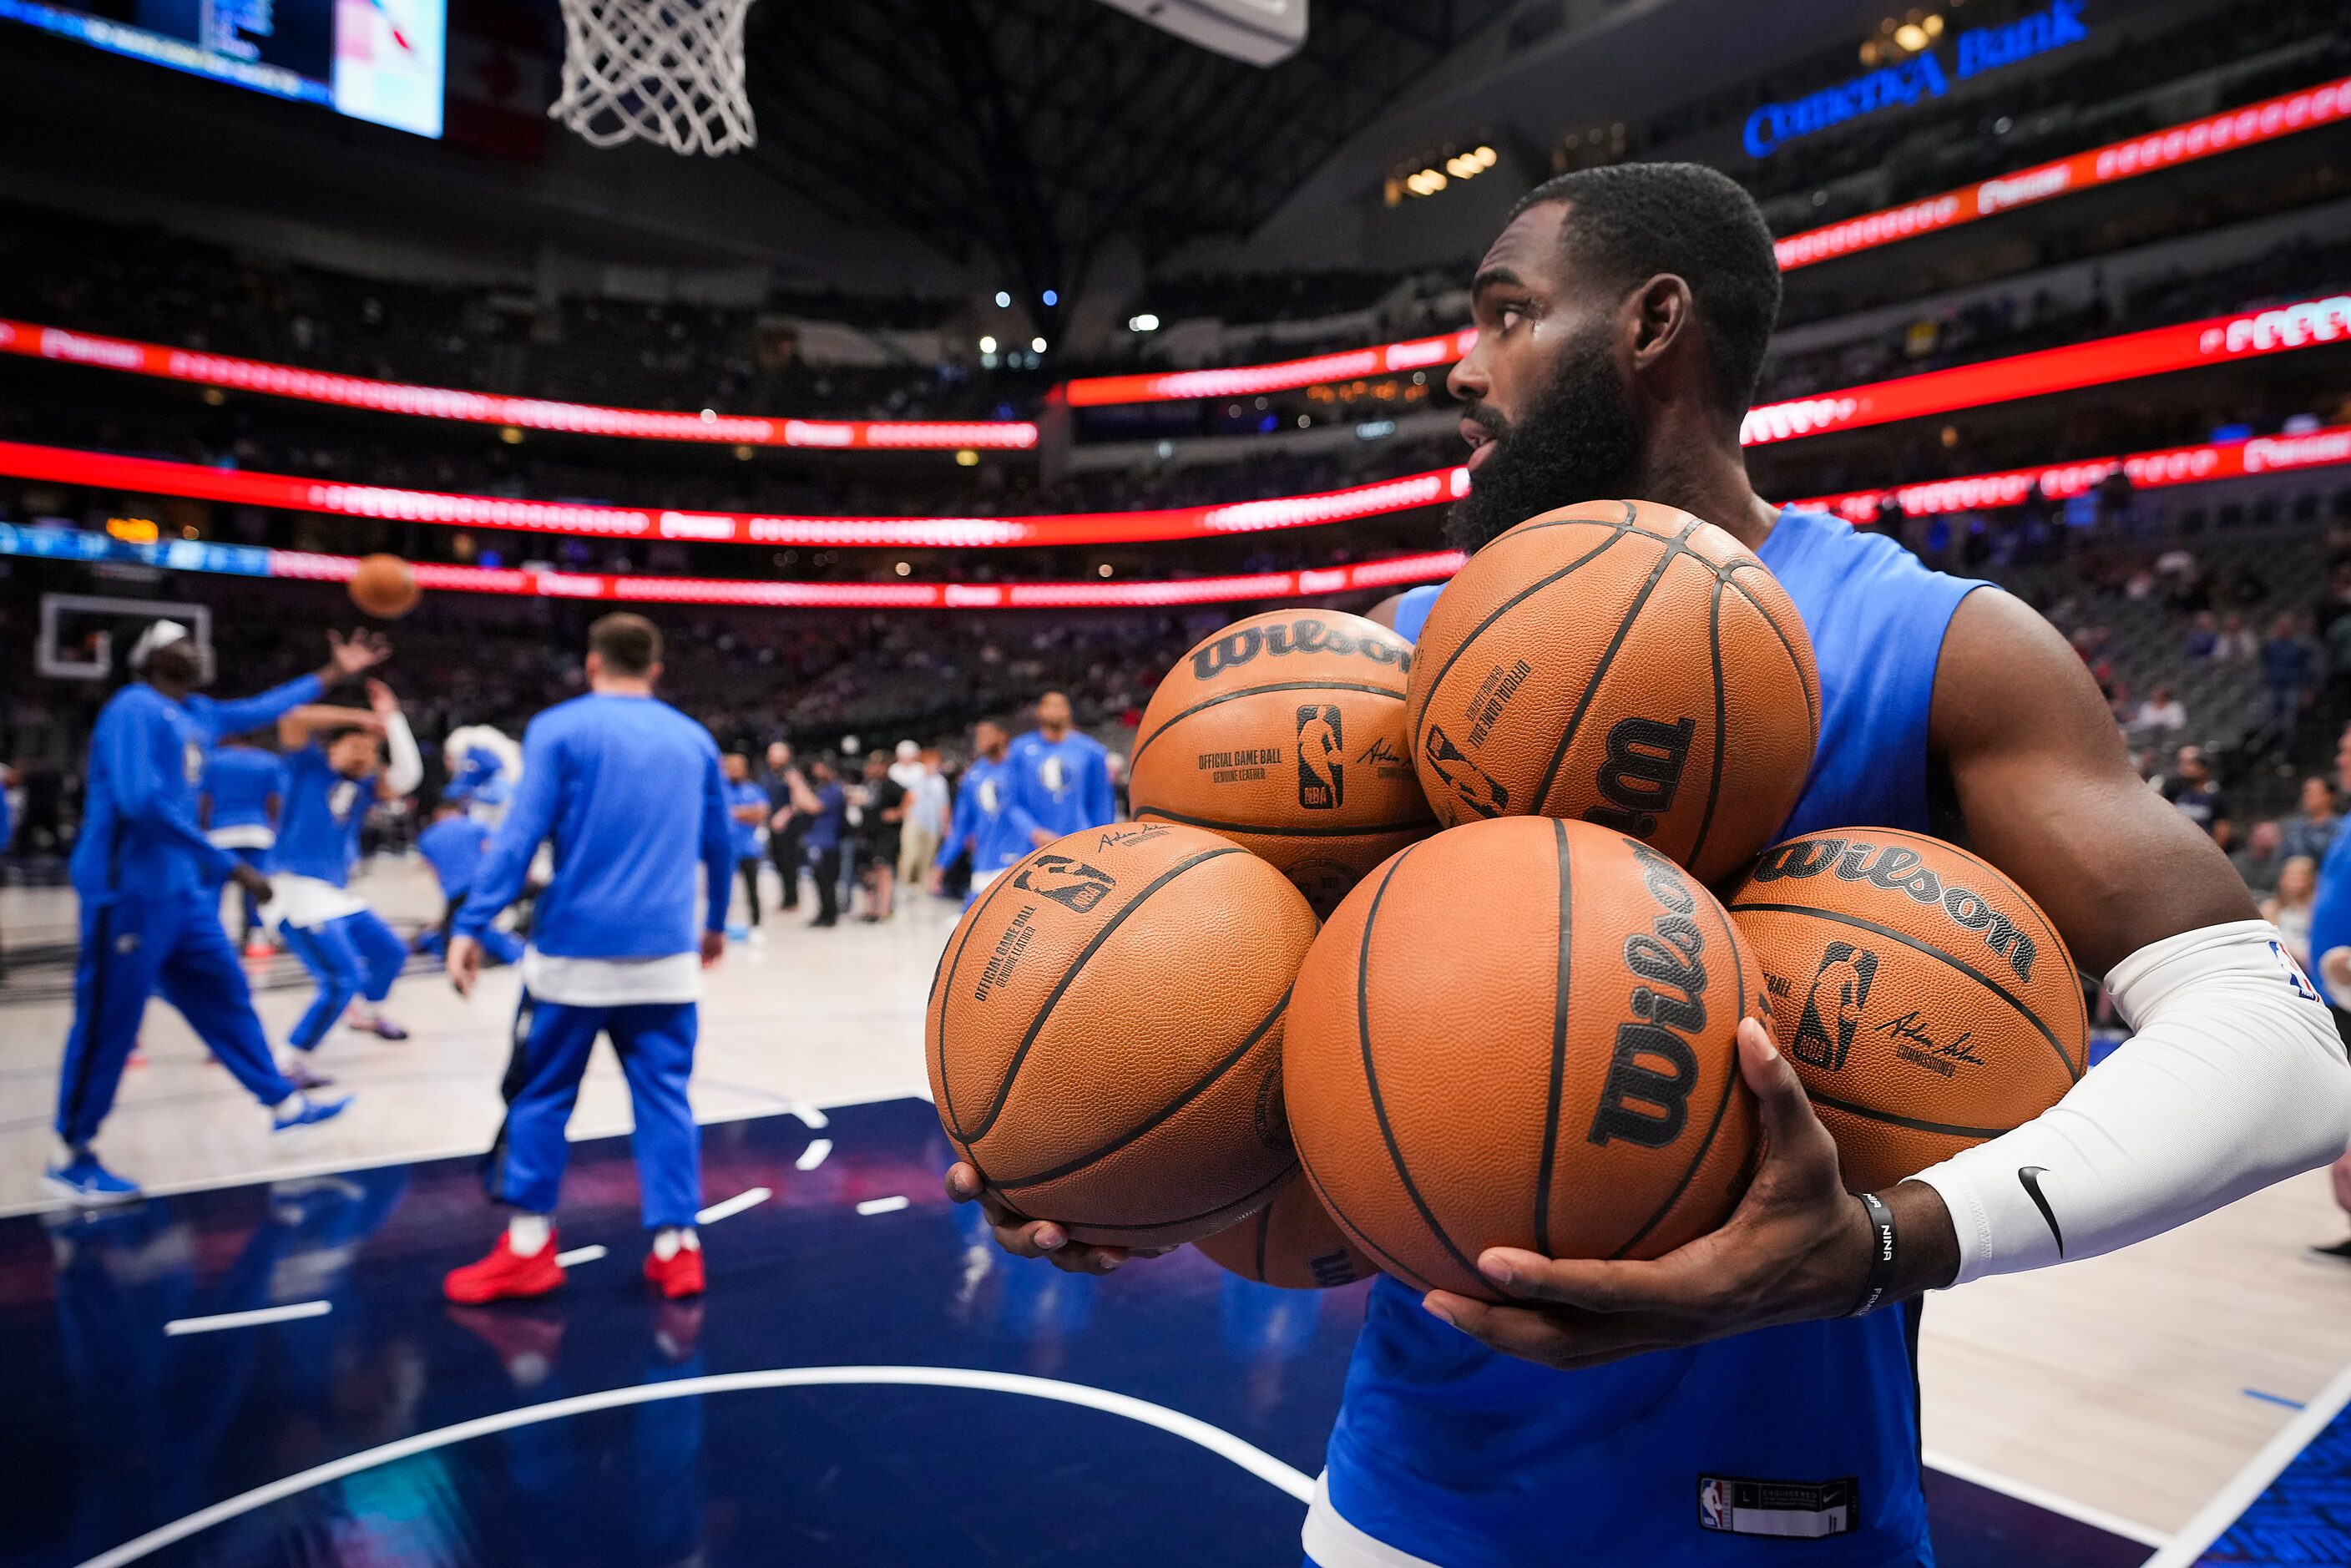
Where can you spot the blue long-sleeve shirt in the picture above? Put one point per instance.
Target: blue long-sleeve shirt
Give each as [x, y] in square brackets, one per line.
[239, 781]
[631, 792]
[1063, 785]
[453, 848]
[989, 818]
[147, 757]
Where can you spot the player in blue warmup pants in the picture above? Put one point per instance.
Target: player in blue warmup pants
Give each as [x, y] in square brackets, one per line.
[629, 790]
[988, 819]
[333, 773]
[453, 845]
[1750, 1400]
[238, 811]
[141, 869]
[1063, 774]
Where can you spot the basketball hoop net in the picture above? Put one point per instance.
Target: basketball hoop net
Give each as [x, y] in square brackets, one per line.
[660, 71]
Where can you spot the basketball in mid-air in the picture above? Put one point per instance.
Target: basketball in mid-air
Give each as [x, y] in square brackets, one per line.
[1291, 1242]
[1285, 733]
[1104, 1032]
[1622, 663]
[385, 587]
[1926, 1001]
[1521, 1033]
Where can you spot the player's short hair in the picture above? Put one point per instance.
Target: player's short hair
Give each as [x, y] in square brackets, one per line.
[1633, 221]
[629, 645]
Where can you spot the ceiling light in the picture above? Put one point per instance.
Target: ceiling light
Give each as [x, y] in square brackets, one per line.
[1146, 322]
[967, 457]
[1486, 157]
[1003, 300]
[904, 569]
[1934, 25]
[1052, 299]
[1102, 570]
[988, 345]
[1911, 36]
[1037, 344]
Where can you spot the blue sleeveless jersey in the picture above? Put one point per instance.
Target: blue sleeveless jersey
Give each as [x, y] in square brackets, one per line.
[1466, 1459]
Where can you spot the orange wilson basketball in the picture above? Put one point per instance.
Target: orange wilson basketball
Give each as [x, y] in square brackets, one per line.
[1926, 1002]
[385, 586]
[1291, 1242]
[1285, 733]
[1105, 1028]
[1624, 663]
[1520, 1033]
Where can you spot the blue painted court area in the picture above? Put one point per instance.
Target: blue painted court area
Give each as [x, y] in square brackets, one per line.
[602, 1426]
[2303, 1515]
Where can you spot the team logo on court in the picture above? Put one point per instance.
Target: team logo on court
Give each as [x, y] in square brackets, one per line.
[1073, 884]
[1641, 774]
[1472, 785]
[1322, 773]
[1832, 1007]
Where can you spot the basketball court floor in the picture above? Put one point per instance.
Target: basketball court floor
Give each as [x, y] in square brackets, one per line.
[256, 1367]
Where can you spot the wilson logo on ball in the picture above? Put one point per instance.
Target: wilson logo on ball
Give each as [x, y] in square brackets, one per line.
[1898, 870]
[1825, 1033]
[1303, 635]
[1641, 773]
[1073, 884]
[1472, 785]
[1645, 1099]
[1322, 773]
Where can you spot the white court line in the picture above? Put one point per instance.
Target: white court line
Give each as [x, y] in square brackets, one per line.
[813, 1156]
[349, 1163]
[727, 1207]
[1191, 1429]
[883, 1205]
[809, 1115]
[2025, 1492]
[579, 1255]
[249, 1320]
[2214, 1518]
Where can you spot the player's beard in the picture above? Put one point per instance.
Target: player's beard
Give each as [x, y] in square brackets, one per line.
[1580, 442]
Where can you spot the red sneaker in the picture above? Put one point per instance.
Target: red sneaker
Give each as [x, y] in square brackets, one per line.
[504, 1276]
[680, 1276]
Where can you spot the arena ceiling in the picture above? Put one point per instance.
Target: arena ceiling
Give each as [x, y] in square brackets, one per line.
[1033, 131]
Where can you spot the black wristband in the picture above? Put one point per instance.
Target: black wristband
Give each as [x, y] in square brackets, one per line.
[1881, 1254]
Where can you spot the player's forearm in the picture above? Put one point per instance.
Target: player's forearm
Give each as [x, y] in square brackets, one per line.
[2236, 1079]
[236, 717]
[405, 770]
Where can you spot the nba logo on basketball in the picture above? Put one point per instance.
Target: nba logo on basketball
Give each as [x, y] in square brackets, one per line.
[1842, 981]
[1322, 782]
[1073, 884]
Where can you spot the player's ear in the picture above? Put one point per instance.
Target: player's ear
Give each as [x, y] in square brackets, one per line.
[653, 673]
[1661, 312]
[594, 665]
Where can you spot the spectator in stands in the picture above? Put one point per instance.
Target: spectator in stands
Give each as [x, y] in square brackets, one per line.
[927, 805]
[2161, 714]
[822, 799]
[2237, 645]
[2260, 858]
[2191, 788]
[2311, 830]
[2289, 908]
[2287, 667]
[2204, 637]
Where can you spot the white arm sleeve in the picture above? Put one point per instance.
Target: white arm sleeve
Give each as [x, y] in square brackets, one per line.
[405, 770]
[2236, 1079]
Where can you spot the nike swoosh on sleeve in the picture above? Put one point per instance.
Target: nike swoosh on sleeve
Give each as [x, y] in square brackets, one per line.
[2029, 1177]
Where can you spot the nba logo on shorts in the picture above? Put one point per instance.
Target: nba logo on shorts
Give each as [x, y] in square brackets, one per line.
[1713, 1507]
[2293, 975]
[1322, 784]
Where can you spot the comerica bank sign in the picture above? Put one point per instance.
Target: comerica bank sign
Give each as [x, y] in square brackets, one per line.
[1978, 50]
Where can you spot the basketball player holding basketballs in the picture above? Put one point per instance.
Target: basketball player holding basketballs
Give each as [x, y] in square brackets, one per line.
[1622, 1412]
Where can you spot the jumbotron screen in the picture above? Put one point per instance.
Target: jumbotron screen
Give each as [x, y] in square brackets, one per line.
[378, 60]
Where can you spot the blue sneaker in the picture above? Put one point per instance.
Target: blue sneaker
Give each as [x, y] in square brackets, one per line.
[309, 1113]
[83, 1181]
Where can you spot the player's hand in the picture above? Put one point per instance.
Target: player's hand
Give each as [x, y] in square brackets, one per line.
[256, 885]
[383, 699]
[464, 964]
[1039, 838]
[1797, 1248]
[362, 651]
[1039, 1237]
[714, 948]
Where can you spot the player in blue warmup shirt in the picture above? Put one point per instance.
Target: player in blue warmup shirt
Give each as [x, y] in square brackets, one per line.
[747, 812]
[141, 869]
[1750, 1400]
[238, 811]
[989, 821]
[453, 844]
[334, 772]
[1063, 774]
[629, 790]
